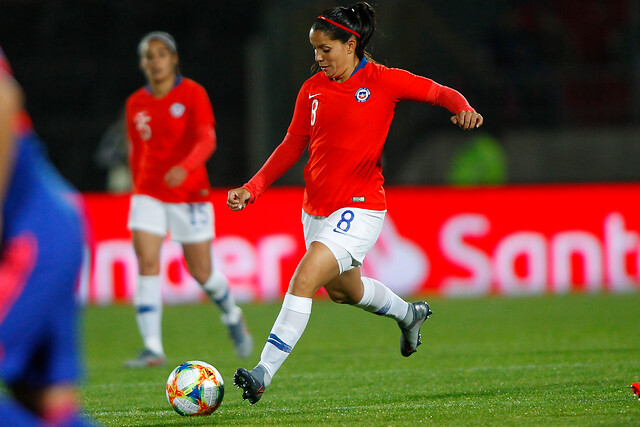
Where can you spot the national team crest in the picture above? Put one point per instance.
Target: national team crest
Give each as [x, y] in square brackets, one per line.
[363, 94]
[177, 109]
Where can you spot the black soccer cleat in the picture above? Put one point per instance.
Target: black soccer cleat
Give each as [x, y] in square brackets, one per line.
[252, 386]
[410, 338]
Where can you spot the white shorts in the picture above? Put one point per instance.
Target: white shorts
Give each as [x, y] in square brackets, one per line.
[348, 232]
[186, 222]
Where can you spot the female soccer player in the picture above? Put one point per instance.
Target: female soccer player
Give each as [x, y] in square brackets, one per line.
[40, 258]
[170, 125]
[343, 113]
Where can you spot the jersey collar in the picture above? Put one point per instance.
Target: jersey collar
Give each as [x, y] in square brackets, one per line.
[176, 83]
[363, 62]
[360, 66]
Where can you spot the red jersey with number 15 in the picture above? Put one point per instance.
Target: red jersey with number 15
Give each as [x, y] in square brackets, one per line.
[177, 129]
[347, 124]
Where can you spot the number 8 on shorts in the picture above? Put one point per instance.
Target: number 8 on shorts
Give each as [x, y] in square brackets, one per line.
[345, 222]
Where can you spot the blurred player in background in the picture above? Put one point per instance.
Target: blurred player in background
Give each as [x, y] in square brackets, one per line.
[40, 258]
[170, 125]
[343, 113]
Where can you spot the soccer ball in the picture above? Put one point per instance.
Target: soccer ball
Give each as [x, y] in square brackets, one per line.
[195, 388]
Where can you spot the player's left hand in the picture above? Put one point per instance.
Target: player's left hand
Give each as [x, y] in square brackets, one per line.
[176, 176]
[467, 120]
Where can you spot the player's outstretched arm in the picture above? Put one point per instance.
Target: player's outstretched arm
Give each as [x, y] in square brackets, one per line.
[238, 198]
[466, 116]
[467, 120]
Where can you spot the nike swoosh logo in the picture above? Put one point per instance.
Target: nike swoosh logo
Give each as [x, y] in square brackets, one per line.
[313, 96]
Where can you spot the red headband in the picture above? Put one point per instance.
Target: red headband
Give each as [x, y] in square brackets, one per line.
[339, 26]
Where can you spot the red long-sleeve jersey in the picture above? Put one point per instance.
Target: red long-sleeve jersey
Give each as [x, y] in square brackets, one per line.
[346, 125]
[177, 129]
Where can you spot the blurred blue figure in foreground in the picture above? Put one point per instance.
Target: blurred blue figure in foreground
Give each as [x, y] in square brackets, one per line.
[40, 259]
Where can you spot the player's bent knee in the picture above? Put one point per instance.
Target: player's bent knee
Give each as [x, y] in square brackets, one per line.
[301, 285]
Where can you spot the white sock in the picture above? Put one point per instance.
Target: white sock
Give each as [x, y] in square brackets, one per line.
[217, 289]
[148, 304]
[286, 332]
[379, 299]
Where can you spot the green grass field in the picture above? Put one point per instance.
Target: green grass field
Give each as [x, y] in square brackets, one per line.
[492, 361]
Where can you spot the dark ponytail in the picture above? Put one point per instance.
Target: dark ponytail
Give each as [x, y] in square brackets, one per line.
[359, 18]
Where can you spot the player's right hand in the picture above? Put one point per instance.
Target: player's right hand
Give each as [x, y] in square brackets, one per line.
[237, 198]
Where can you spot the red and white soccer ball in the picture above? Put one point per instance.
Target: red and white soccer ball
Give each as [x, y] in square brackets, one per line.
[195, 388]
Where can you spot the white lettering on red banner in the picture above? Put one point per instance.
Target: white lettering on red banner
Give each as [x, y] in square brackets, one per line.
[457, 242]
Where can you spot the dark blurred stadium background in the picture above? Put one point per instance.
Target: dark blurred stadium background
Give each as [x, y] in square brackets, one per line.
[558, 82]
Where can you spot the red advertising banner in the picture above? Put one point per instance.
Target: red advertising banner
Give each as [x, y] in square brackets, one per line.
[516, 240]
